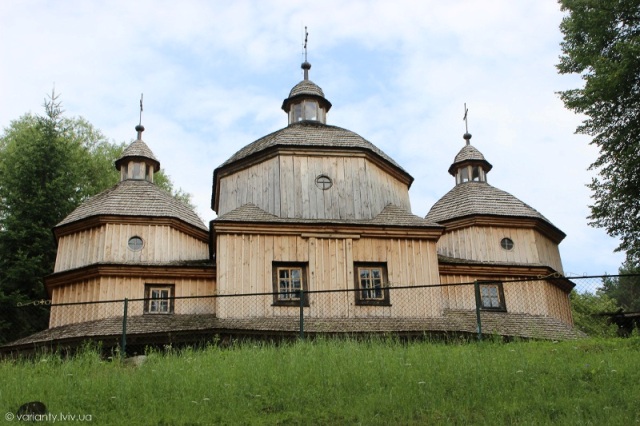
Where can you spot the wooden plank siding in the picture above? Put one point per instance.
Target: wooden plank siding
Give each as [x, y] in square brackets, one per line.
[535, 297]
[285, 186]
[482, 243]
[112, 288]
[109, 243]
[245, 266]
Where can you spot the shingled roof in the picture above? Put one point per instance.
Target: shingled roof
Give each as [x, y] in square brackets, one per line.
[469, 155]
[138, 149]
[134, 198]
[480, 198]
[469, 152]
[310, 134]
[150, 329]
[391, 215]
[306, 87]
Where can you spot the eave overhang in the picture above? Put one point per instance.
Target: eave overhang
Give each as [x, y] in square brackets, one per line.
[324, 229]
[99, 220]
[491, 270]
[540, 225]
[203, 269]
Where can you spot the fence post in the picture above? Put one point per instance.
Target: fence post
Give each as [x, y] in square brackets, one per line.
[302, 314]
[476, 286]
[123, 344]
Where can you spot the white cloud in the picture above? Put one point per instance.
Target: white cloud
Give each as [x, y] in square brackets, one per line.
[214, 74]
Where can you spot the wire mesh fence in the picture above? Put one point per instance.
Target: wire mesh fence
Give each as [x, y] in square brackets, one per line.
[552, 307]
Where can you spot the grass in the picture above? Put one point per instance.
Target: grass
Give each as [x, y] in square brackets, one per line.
[378, 381]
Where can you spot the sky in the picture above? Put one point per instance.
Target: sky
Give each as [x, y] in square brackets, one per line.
[214, 75]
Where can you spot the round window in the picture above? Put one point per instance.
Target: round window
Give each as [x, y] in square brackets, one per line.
[506, 243]
[136, 243]
[324, 182]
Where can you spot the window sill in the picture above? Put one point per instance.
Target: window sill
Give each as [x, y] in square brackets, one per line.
[373, 303]
[494, 309]
[291, 304]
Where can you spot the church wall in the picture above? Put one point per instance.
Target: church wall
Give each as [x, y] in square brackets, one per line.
[482, 243]
[285, 186]
[109, 243]
[548, 252]
[245, 266]
[83, 291]
[117, 288]
[537, 297]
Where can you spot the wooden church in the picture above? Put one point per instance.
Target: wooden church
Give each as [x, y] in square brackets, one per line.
[313, 212]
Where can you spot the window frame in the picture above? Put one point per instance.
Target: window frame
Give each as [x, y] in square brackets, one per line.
[502, 306]
[148, 299]
[384, 300]
[324, 182]
[276, 267]
[507, 244]
[132, 243]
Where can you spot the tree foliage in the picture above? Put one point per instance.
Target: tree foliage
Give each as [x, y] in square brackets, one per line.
[48, 165]
[602, 44]
[587, 309]
[625, 288]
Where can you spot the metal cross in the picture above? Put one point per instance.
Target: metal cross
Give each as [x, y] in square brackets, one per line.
[306, 36]
[466, 124]
[141, 96]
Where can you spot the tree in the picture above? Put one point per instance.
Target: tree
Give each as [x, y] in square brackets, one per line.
[602, 44]
[48, 166]
[625, 288]
[587, 309]
[43, 177]
[163, 181]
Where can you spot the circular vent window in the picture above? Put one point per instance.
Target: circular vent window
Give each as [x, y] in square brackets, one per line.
[136, 243]
[506, 243]
[324, 182]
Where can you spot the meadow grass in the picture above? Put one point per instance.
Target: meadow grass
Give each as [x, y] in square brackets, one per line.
[331, 381]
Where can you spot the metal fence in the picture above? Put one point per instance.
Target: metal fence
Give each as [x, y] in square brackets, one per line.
[530, 307]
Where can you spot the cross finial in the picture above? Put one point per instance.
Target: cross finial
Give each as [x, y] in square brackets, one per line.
[306, 66]
[306, 38]
[141, 109]
[140, 127]
[467, 135]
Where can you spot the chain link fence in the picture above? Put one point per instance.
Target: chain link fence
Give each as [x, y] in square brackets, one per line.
[552, 307]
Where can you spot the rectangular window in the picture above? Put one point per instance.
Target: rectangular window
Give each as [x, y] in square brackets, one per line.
[158, 299]
[371, 284]
[136, 171]
[289, 280]
[492, 296]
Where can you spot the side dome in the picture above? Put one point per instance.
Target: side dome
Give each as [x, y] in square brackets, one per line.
[480, 198]
[135, 194]
[138, 198]
[473, 196]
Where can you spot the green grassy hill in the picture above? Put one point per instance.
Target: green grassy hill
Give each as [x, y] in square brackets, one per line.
[333, 382]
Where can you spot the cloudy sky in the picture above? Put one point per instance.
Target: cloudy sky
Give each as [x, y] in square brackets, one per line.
[214, 74]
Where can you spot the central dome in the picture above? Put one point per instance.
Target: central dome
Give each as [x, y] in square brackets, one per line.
[310, 134]
[310, 170]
